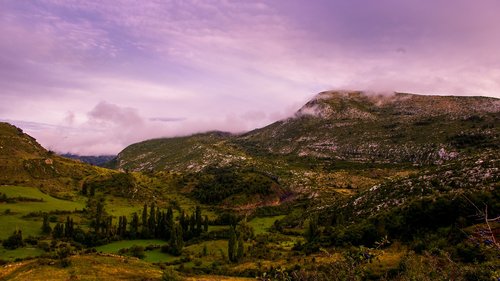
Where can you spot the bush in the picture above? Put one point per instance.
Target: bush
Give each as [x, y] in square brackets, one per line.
[170, 275]
[137, 251]
[14, 241]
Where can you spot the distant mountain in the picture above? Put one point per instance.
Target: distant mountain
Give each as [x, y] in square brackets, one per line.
[99, 160]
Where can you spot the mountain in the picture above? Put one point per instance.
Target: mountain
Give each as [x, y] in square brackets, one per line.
[23, 161]
[99, 160]
[396, 128]
[339, 140]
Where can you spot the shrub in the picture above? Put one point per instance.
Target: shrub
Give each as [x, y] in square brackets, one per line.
[170, 275]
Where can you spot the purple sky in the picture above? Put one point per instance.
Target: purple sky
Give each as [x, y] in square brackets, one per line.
[91, 77]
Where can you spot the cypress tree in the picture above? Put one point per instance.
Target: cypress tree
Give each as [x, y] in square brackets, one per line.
[152, 220]
[241, 248]
[312, 229]
[176, 242]
[205, 224]
[169, 220]
[68, 227]
[231, 245]
[145, 230]
[199, 220]
[99, 215]
[46, 229]
[184, 222]
[192, 225]
[134, 226]
[58, 231]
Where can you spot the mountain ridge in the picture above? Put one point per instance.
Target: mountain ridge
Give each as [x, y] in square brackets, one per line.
[386, 128]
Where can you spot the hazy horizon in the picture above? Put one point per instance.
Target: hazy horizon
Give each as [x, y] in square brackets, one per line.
[90, 78]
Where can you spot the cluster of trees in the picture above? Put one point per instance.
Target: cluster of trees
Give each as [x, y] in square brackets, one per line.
[121, 183]
[423, 223]
[153, 223]
[236, 246]
[216, 184]
[237, 236]
[14, 241]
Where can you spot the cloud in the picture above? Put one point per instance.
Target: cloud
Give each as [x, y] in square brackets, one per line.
[228, 65]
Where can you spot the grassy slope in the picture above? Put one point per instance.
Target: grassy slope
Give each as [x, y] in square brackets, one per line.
[86, 267]
[11, 214]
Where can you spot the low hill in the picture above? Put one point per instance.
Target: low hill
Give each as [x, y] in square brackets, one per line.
[23, 161]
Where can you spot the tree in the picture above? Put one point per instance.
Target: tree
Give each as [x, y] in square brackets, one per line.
[134, 226]
[122, 226]
[312, 230]
[68, 227]
[241, 248]
[14, 241]
[99, 215]
[192, 225]
[169, 220]
[199, 220]
[231, 245]
[145, 225]
[176, 242]
[205, 224]
[96, 213]
[58, 231]
[152, 220]
[46, 229]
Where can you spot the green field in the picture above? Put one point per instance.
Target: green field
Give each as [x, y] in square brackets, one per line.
[261, 225]
[151, 256]
[11, 214]
[19, 253]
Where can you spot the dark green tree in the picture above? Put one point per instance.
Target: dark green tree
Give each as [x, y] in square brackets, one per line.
[169, 220]
[241, 248]
[205, 224]
[312, 231]
[199, 221]
[152, 220]
[134, 226]
[68, 227]
[14, 241]
[58, 231]
[46, 229]
[192, 227]
[145, 223]
[231, 245]
[96, 213]
[176, 242]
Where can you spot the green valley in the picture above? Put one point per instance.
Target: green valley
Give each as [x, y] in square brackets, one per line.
[354, 186]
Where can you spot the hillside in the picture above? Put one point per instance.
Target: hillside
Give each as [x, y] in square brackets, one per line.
[370, 187]
[23, 161]
[348, 126]
[398, 128]
[329, 141]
